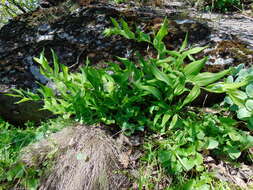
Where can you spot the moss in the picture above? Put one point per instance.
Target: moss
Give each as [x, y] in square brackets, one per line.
[235, 49]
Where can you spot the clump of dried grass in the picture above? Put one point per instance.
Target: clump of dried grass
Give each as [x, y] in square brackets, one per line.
[85, 158]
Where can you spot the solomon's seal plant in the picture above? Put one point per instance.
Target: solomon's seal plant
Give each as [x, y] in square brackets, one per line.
[150, 93]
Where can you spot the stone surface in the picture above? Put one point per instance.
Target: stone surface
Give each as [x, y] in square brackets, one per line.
[75, 33]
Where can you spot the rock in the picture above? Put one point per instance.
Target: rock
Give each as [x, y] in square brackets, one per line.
[76, 33]
[83, 157]
[18, 114]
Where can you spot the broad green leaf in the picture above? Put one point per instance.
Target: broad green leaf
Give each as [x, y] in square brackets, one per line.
[201, 135]
[234, 153]
[250, 123]
[160, 75]
[144, 37]
[230, 79]
[193, 51]
[165, 119]
[163, 31]
[243, 113]
[222, 87]
[47, 91]
[160, 47]
[157, 117]
[166, 60]
[216, 87]
[108, 83]
[173, 121]
[249, 90]
[180, 89]
[189, 185]
[235, 85]
[212, 143]
[194, 68]
[164, 156]
[32, 183]
[157, 42]
[173, 53]
[238, 97]
[234, 136]
[109, 31]
[194, 93]
[44, 64]
[249, 105]
[188, 163]
[16, 172]
[152, 90]
[207, 78]
[200, 168]
[191, 58]
[198, 159]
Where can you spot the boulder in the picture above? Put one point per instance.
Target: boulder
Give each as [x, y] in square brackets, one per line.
[75, 32]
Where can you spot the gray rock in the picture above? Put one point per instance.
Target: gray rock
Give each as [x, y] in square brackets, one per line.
[75, 35]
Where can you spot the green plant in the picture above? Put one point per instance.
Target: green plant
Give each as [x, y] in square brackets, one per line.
[13, 172]
[225, 5]
[150, 175]
[180, 149]
[241, 101]
[11, 8]
[150, 92]
[205, 181]
[219, 5]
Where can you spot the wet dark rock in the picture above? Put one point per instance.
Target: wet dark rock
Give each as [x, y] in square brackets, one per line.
[77, 34]
[74, 36]
[18, 114]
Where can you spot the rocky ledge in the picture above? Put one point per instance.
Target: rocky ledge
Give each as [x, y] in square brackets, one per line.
[75, 33]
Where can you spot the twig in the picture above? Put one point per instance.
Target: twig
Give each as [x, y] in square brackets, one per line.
[77, 59]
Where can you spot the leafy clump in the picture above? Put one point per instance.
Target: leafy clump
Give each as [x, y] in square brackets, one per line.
[225, 5]
[13, 172]
[149, 93]
[242, 100]
[182, 148]
[218, 5]
[152, 94]
[12, 8]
